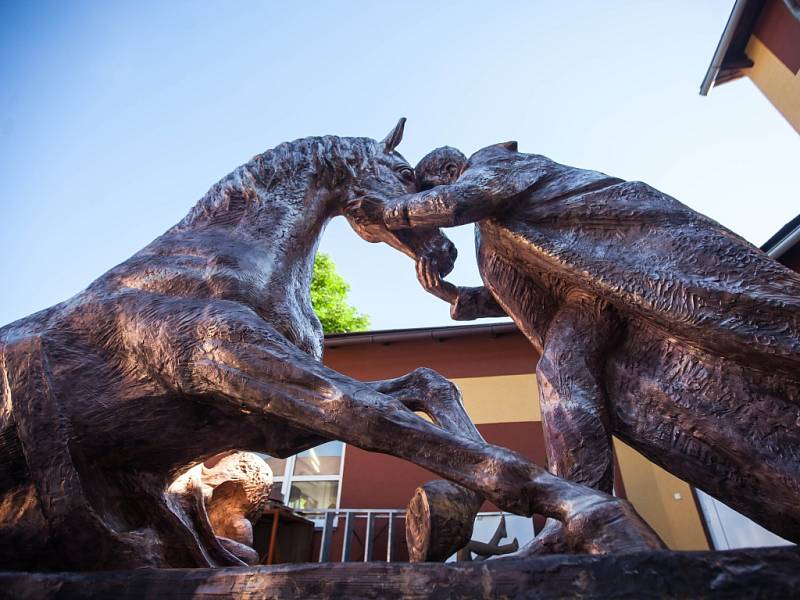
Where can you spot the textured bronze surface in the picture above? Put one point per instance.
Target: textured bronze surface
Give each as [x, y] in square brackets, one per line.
[654, 322]
[233, 489]
[764, 573]
[206, 341]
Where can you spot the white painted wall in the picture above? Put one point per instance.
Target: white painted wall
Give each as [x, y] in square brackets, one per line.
[730, 529]
[516, 527]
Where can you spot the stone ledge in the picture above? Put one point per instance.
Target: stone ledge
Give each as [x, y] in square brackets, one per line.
[762, 573]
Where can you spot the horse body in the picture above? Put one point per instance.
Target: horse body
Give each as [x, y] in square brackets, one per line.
[92, 380]
[654, 323]
[196, 269]
[104, 370]
[699, 376]
[727, 427]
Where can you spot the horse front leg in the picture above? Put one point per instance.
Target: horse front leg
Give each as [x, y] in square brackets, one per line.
[426, 391]
[575, 417]
[441, 514]
[261, 372]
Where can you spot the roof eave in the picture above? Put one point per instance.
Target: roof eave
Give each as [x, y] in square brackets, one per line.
[391, 336]
[723, 46]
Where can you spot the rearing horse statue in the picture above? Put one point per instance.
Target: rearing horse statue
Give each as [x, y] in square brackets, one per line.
[205, 341]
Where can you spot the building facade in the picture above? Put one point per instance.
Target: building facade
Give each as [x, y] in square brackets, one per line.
[494, 367]
[761, 41]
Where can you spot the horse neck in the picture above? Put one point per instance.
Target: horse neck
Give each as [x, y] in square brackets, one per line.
[279, 228]
[288, 227]
[292, 248]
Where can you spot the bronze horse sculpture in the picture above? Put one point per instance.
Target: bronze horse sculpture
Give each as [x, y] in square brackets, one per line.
[654, 323]
[205, 341]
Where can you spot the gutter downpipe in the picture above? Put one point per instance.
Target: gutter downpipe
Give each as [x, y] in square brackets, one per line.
[722, 46]
[779, 249]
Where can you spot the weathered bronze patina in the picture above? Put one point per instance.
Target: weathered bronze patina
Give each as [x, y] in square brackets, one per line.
[233, 489]
[654, 323]
[206, 341]
[749, 573]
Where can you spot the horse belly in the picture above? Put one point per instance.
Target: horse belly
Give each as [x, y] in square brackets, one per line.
[530, 297]
[727, 429]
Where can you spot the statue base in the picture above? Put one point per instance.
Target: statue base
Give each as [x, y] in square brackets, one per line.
[762, 572]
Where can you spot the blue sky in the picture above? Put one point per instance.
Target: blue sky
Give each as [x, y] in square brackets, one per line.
[116, 117]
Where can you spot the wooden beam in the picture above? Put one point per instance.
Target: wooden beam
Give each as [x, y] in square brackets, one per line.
[763, 572]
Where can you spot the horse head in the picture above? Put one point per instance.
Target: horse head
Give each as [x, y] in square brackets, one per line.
[390, 176]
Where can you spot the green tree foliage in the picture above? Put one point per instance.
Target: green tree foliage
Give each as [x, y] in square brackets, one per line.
[329, 299]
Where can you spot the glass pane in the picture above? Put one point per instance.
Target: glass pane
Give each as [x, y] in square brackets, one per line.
[308, 495]
[322, 460]
[278, 465]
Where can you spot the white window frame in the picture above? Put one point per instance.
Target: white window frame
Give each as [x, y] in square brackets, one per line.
[287, 480]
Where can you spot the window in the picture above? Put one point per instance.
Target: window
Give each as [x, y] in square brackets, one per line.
[310, 480]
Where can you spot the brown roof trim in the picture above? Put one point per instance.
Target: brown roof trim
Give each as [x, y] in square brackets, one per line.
[729, 58]
[390, 336]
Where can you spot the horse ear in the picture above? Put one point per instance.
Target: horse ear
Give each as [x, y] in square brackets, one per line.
[395, 136]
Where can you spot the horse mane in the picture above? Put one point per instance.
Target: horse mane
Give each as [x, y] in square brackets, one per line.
[330, 160]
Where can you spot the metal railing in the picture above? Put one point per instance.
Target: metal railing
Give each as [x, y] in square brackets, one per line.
[329, 520]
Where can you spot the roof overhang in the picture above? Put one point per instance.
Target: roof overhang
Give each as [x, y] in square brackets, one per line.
[438, 334]
[729, 58]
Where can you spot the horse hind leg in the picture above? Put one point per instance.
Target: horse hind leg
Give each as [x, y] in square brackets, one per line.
[76, 535]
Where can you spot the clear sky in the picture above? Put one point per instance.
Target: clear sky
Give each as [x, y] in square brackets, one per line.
[116, 117]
